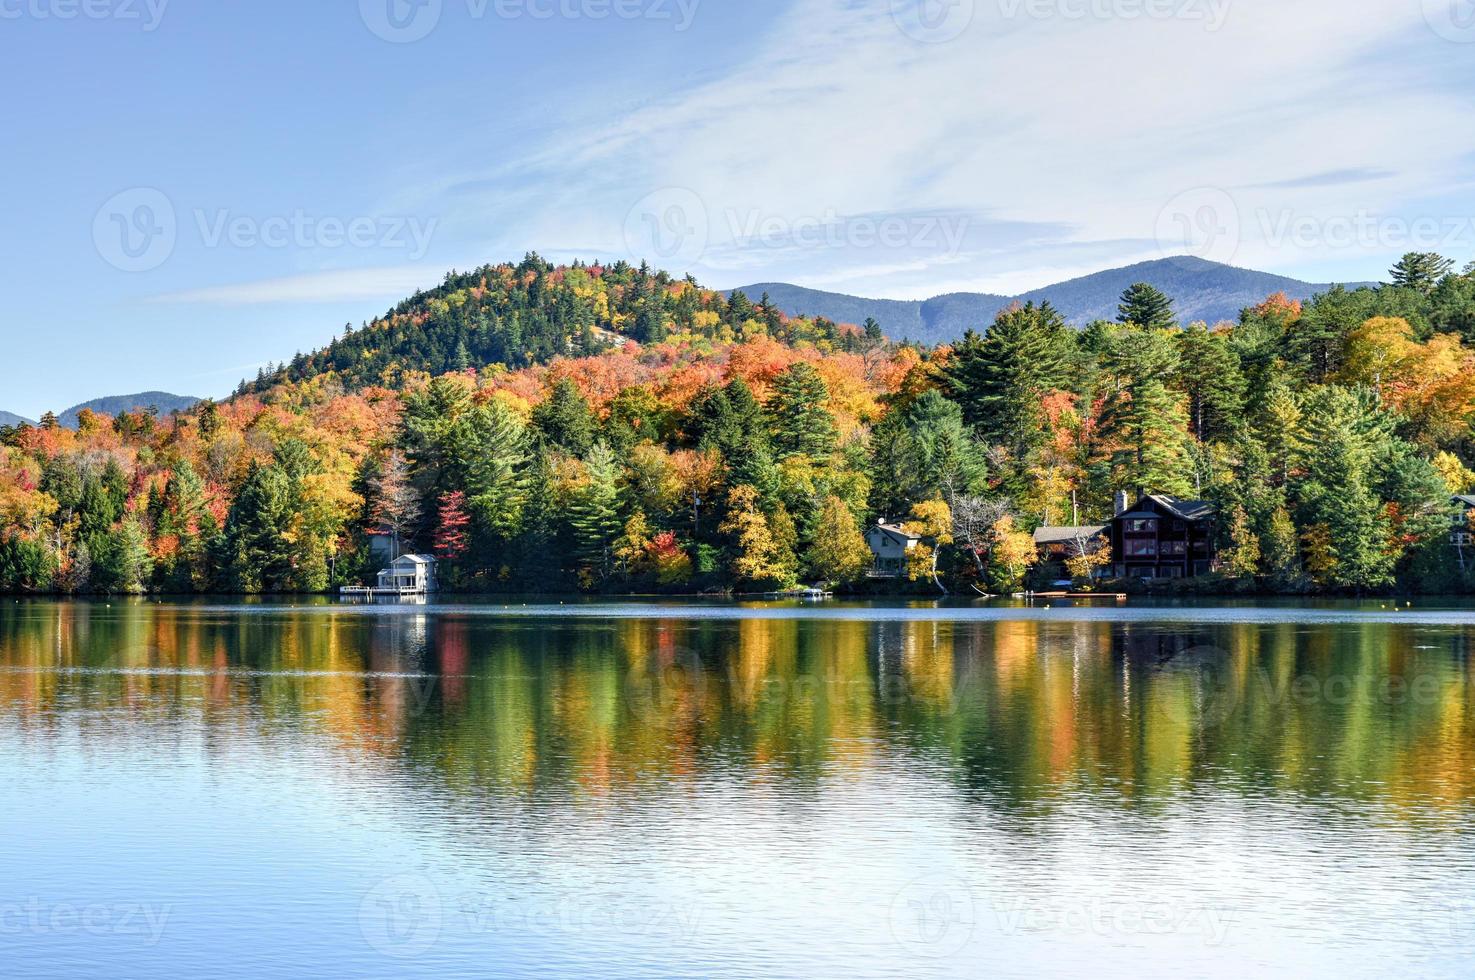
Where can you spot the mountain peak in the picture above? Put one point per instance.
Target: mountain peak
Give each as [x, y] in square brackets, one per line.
[1201, 290]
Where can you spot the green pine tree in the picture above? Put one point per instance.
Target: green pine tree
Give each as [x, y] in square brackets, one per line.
[1146, 306]
[799, 421]
[1420, 271]
[1143, 417]
[1001, 378]
[594, 512]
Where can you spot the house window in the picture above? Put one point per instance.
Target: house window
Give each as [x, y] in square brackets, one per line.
[1141, 526]
[1141, 548]
[1175, 549]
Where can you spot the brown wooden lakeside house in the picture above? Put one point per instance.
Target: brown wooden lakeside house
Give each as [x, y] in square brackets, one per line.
[1163, 537]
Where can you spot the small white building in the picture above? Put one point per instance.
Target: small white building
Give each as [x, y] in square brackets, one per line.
[409, 573]
[891, 544]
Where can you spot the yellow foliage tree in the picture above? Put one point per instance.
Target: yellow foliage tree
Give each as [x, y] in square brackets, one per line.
[1011, 554]
[840, 553]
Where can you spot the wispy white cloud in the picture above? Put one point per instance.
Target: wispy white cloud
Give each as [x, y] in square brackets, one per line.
[1085, 128]
[387, 283]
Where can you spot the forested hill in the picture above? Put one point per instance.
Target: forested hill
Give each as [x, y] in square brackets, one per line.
[529, 313]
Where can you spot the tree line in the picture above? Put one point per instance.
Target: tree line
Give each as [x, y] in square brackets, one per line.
[610, 429]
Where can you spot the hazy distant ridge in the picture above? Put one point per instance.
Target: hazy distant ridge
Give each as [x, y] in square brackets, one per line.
[162, 401]
[1201, 290]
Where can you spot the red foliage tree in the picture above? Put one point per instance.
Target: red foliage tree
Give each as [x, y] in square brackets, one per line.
[451, 540]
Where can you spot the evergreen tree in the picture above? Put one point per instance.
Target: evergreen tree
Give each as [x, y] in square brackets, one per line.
[565, 420]
[593, 512]
[1146, 306]
[1001, 379]
[1348, 527]
[491, 454]
[1209, 373]
[1421, 271]
[945, 459]
[894, 466]
[1143, 419]
[258, 531]
[799, 421]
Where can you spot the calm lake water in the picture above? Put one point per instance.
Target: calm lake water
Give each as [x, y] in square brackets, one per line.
[640, 790]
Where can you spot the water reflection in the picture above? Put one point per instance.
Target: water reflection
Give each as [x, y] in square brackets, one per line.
[1021, 715]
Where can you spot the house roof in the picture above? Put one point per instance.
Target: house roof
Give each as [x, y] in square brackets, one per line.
[1065, 535]
[416, 559]
[1467, 499]
[1188, 510]
[897, 531]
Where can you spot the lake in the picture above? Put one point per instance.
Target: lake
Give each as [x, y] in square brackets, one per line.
[713, 790]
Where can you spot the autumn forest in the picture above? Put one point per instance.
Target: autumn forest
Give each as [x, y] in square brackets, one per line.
[612, 429]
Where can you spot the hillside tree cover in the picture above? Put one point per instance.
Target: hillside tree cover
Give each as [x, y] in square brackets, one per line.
[614, 429]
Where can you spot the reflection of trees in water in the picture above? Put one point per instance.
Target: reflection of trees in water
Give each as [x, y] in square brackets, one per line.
[1020, 714]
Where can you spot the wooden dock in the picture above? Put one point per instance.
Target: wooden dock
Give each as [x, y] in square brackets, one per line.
[378, 592]
[1113, 596]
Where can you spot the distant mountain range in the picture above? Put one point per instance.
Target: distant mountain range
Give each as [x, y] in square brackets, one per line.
[1201, 290]
[162, 401]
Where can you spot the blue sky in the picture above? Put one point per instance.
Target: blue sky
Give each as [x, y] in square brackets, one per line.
[196, 187]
